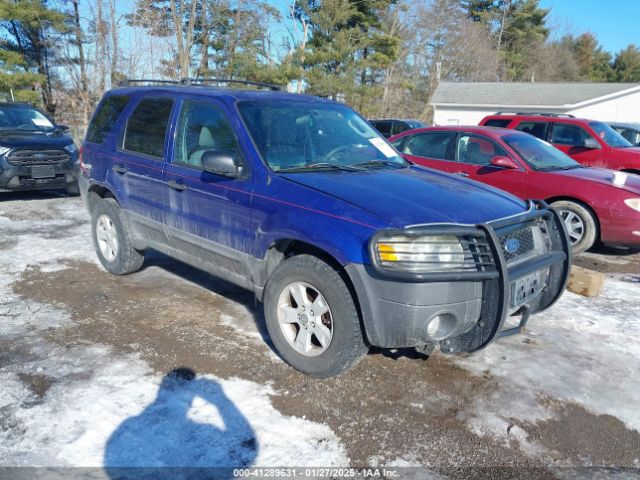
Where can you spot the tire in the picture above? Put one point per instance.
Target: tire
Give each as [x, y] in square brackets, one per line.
[581, 224]
[112, 240]
[346, 346]
[73, 189]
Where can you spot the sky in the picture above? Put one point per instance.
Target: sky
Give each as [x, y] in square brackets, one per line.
[615, 22]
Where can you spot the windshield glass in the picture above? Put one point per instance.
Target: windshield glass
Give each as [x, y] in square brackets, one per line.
[539, 154]
[297, 135]
[13, 117]
[609, 135]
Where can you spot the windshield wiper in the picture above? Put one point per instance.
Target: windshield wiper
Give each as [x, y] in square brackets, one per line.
[374, 163]
[566, 167]
[321, 166]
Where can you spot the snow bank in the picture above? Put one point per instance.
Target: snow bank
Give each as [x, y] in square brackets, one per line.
[582, 350]
[86, 406]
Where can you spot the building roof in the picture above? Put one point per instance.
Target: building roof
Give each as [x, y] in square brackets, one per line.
[525, 94]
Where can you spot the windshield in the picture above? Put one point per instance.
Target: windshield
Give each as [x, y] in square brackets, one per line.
[297, 135]
[14, 117]
[539, 154]
[609, 135]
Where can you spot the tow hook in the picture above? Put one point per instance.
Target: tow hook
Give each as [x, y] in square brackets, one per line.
[526, 311]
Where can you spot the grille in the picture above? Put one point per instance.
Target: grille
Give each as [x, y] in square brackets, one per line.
[522, 238]
[481, 255]
[26, 157]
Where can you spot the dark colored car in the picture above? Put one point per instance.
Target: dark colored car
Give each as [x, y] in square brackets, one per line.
[35, 153]
[301, 201]
[630, 131]
[588, 142]
[595, 203]
[393, 126]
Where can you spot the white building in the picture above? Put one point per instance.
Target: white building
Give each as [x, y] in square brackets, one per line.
[466, 103]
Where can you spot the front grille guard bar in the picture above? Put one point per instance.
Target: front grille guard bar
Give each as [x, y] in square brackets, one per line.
[496, 281]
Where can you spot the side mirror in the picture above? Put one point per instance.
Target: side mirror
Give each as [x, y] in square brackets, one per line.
[64, 128]
[220, 163]
[504, 162]
[591, 143]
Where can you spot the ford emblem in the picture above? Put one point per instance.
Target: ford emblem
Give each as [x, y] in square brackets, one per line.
[512, 245]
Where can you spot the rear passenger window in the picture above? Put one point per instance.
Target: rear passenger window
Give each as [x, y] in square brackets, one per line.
[399, 127]
[383, 127]
[147, 127]
[497, 122]
[537, 129]
[564, 134]
[431, 145]
[105, 118]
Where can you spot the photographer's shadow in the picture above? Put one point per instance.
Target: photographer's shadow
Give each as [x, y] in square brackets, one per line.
[163, 442]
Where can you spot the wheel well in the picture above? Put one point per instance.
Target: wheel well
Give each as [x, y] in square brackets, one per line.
[283, 249]
[98, 192]
[286, 248]
[582, 204]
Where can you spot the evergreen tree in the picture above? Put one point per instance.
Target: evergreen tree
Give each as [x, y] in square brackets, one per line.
[349, 49]
[594, 63]
[26, 29]
[525, 31]
[626, 66]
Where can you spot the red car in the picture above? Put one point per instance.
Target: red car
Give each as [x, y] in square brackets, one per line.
[589, 142]
[595, 203]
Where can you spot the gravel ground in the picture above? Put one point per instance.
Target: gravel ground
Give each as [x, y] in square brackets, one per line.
[85, 362]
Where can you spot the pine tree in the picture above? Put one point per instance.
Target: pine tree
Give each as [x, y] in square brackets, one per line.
[626, 66]
[27, 27]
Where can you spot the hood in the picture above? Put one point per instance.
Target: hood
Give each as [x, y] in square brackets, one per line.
[414, 195]
[604, 177]
[17, 139]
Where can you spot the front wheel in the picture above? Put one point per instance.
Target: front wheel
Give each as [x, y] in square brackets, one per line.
[312, 318]
[580, 223]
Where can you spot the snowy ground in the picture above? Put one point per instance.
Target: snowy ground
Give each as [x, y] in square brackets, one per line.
[169, 367]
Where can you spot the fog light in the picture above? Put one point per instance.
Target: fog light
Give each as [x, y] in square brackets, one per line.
[433, 326]
[441, 326]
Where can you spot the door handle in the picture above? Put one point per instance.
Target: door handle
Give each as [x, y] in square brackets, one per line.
[119, 169]
[461, 174]
[181, 187]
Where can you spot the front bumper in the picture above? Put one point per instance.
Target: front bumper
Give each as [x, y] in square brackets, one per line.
[17, 178]
[471, 307]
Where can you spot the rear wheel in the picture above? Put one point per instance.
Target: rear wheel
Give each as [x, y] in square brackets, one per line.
[312, 318]
[580, 223]
[112, 240]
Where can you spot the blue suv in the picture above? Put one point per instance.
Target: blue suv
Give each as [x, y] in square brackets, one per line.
[301, 201]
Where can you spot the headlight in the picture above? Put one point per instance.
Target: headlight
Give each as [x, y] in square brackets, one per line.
[71, 148]
[4, 150]
[633, 203]
[424, 253]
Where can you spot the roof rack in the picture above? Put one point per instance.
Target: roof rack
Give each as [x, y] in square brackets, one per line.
[208, 81]
[541, 114]
[196, 82]
[131, 81]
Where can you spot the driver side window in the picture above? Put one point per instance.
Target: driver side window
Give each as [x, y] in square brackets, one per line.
[201, 127]
[477, 150]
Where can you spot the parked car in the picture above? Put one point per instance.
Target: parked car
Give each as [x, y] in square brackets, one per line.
[589, 142]
[35, 153]
[301, 201]
[393, 126]
[630, 131]
[595, 203]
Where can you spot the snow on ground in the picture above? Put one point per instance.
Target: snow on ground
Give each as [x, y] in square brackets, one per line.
[582, 350]
[84, 405]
